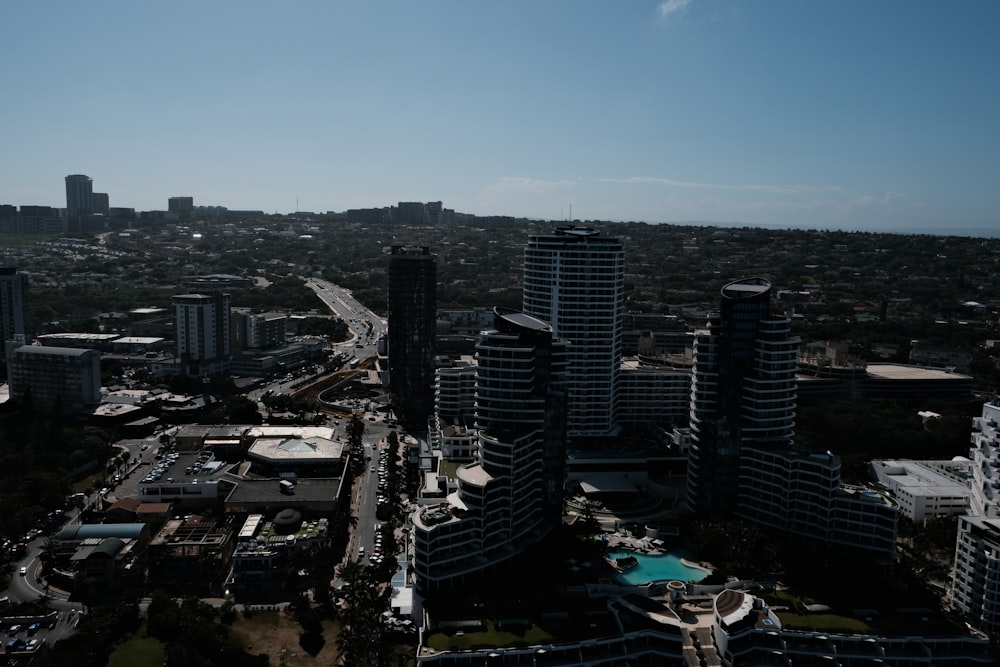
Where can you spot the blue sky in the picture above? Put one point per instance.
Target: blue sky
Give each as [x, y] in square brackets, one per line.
[874, 115]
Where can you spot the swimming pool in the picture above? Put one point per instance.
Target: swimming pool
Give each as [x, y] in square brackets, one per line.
[666, 567]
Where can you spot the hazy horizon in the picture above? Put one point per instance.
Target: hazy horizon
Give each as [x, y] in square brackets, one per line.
[857, 116]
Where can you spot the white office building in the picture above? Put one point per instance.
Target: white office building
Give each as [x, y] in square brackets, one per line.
[926, 489]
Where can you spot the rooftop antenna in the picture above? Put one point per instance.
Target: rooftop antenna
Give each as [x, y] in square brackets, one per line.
[571, 213]
[296, 204]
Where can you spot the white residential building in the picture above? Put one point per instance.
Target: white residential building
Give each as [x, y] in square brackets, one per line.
[574, 279]
[976, 579]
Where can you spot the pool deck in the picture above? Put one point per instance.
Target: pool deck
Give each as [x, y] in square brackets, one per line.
[650, 547]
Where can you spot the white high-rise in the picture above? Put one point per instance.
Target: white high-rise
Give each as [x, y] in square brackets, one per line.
[976, 579]
[574, 279]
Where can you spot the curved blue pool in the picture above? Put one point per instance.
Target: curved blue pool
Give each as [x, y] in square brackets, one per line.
[666, 567]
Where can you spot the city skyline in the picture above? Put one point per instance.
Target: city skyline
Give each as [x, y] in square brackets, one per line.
[847, 115]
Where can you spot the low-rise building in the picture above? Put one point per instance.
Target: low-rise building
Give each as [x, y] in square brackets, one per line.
[191, 556]
[262, 559]
[799, 492]
[926, 489]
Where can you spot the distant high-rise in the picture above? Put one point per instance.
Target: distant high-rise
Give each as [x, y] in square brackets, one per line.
[202, 324]
[101, 203]
[412, 307]
[79, 195]
[180, 204]
[574, 279]
[742, 392]
[512, 495]
[13, 309]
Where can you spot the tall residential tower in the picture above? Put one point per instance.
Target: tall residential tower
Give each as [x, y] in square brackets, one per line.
[511, 496]
[742, 392]
[574, 279]
[412, 306]
[202, 331]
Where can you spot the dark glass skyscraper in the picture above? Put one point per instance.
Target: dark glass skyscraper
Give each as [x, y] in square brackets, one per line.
[412, 306]
[13, 310]
[742, 391]
[79, 195]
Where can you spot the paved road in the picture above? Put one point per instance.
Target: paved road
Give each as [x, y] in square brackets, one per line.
[366, 326]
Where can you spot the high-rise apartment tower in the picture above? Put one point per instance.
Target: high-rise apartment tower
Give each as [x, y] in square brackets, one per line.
[511, 496]
[574, 279]
[202, 330]
[742, 392]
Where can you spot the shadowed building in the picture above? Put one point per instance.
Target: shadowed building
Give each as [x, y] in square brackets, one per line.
[202, 330]
[13, 310]
[510, 497]
[55, 378]
[742, 392]
[412, 306]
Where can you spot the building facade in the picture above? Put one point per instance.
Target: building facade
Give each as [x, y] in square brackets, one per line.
[742, 392]
[201, 326]
[799, 492]
[412, 308]
[48, 378]
[976, 577]
[79, 195]
[13, 311]
[574, 279]
[511, 496]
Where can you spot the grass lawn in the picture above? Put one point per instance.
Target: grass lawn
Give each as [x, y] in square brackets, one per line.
[822, 622]
[441, 641]
[94, 481]
[139, 652]
[449, 467]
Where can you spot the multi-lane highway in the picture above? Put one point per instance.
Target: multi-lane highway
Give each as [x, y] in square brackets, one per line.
[366, 326]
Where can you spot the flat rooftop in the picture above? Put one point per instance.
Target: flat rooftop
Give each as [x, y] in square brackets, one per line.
[901, 372]
[307, 490]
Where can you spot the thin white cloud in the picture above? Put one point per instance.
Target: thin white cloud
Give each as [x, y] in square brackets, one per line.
[670, 182]
[522, 184]
[889, 198]
[669, 7]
